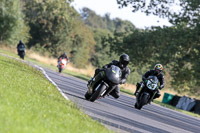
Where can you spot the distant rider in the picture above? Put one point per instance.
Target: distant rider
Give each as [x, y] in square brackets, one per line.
[156, 72]
[123, 65]
[63, 56]
[20, 46]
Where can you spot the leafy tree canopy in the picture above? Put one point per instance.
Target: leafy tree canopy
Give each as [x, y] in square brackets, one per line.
[49, 23]
[178, 11]
[93, 20]
[12, 26]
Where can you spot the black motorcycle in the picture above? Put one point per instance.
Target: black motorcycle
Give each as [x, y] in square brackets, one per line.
[21, 52]
[147, 92]
[103, 83]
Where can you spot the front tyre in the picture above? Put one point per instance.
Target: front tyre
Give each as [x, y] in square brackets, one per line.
[143, 100]
[60, 69]
[87, 96]
[97, 94]
[22, 54]
[135, 105]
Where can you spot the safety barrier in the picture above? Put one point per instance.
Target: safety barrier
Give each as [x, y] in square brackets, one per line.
[184, 102]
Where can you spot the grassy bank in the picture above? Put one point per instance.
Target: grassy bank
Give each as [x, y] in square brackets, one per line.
[30, 103]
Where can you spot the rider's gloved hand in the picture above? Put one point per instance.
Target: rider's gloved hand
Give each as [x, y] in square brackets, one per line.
[160, 87]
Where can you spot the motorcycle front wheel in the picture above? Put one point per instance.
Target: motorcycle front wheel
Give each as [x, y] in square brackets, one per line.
[97, 93]
[142, 102]
[87, 96]
[60, 70]
[21, 55]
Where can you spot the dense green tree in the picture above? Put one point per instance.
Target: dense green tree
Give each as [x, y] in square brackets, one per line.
[103, 50]
[56, 27]
[92, 19]
[12, 26]
[177, 11]
[113, 25]
[49, 23]
[81, 44]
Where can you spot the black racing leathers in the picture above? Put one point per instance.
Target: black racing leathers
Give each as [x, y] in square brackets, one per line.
[125, 72]
[63, 56]
[20, 45]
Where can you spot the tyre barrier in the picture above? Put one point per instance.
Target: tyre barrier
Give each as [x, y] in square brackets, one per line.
[184, 102]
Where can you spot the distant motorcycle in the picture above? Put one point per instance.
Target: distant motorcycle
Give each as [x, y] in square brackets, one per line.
[62, 64]
[103, 83]
[21, 52]
[147, 92]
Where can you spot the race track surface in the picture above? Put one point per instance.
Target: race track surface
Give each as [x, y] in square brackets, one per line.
[120, 115]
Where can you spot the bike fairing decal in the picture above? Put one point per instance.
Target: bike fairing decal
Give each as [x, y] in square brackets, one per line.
[113, 71]
[151, 85]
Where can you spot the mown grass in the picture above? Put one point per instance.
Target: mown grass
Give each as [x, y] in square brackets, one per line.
[30, 103]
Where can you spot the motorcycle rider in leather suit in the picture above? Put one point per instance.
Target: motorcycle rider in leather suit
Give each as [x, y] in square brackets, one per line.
[64, 55]
[123, 65]
[156, 72]
[20, 45]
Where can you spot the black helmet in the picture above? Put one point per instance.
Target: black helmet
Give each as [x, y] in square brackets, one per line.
[124, 60]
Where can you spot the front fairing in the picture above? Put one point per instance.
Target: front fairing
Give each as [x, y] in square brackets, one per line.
[113, 74]
[152, 83]
[62, 63]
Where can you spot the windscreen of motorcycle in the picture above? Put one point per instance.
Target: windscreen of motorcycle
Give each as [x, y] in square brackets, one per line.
[113, 74]
[152, 82]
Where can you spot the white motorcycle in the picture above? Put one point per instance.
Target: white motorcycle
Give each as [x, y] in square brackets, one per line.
[62, 64]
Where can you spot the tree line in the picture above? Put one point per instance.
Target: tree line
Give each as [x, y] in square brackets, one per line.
[53, 26]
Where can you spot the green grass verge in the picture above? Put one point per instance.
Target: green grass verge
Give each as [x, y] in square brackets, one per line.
[30, 103]
[126, 91]
[8, 53]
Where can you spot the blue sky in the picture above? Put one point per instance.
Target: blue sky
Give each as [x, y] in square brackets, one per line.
[101, 7]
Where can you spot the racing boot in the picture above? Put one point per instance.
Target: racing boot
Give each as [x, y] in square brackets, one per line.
[89, 85]
[138, 85]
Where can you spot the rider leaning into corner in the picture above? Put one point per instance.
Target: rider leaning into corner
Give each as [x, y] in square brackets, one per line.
[123, 65]
[156, 72]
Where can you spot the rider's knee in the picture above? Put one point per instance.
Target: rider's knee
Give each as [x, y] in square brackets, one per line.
[116, 95]
[138, 85]
[157, 95]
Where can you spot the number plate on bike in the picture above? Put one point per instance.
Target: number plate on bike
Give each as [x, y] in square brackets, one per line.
[151, 85]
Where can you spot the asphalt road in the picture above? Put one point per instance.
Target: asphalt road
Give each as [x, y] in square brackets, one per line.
[120, 115]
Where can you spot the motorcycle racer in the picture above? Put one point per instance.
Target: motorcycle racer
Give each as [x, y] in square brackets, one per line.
[123, 65]
[156, 72]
